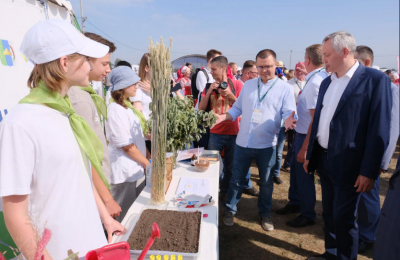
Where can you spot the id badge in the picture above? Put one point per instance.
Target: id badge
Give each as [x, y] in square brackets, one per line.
[256, 117]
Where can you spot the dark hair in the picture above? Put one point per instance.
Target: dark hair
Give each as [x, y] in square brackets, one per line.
[248, 65]
[212, 53]
[314, 53]
[98, 38]
[188, 64]
[365, 52]
[221, 61]
[265, 53]
[123, 63]
[118, 96]
[388, 72]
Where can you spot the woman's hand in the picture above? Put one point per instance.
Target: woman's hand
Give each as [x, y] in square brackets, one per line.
[145, 86]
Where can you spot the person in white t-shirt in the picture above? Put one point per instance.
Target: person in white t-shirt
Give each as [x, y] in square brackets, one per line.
[44, 168]
[298, 81]
[142, 99]
[127, 149]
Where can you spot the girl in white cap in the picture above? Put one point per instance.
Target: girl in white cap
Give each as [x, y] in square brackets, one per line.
[125, 128]
[46, 150]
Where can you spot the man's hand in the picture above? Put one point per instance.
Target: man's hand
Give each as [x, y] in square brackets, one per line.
[145, 85]
[113, 226]
[220, 119]
[364, 184]
[301, 68]
[290, 122]
[301, 156]
[381, 171]
[113, 208]
[226, 93]
[213, 87]
[305, 165]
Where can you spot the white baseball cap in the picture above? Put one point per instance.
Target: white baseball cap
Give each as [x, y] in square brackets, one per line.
[51, 39]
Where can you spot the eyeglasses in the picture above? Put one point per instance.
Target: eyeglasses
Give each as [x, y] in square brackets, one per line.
[265, 67]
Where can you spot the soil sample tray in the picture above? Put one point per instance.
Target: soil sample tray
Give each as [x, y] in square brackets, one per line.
[180, 231]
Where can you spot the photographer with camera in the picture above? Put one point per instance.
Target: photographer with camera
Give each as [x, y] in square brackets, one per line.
[219, 97]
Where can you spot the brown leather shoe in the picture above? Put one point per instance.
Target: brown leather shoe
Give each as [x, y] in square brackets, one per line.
[252, 191]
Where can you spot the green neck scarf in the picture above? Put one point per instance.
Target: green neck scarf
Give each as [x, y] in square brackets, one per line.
[139, 114]
[98, 101]
[85, 136]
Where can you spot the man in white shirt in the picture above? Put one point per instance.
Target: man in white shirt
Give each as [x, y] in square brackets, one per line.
[298, 83]
[349, 135]
[263, 103]
[203, 77]
[369, 206]
[302, 196]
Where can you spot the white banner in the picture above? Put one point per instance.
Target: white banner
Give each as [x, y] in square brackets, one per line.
[16, 17]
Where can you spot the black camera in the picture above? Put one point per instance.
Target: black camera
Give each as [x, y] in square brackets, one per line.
[223, 85]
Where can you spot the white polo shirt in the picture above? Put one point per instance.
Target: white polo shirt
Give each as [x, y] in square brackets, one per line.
[330, 103]
[308, 99]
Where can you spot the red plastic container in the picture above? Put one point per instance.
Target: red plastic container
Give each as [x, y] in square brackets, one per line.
[117, 251]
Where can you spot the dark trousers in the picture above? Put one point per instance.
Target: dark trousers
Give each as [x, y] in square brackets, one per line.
[302, 185]
[388, 234]
[369, 210]
[339, 203]
[290, 140]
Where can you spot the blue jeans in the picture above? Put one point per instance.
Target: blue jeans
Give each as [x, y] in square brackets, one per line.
[219, 142]
[302, 186]
[369, 210]
[265, 159]
[276, 169]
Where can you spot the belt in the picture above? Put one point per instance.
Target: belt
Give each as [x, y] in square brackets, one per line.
[322, 148]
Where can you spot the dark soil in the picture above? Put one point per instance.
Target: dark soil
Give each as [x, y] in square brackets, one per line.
[180, 231]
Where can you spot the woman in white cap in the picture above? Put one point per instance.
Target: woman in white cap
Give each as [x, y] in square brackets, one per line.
[46, 150]
[125, 128]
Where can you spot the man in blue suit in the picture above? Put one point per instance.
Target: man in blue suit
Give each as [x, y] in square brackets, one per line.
[388, 235]
[349, 136]
[369, 206]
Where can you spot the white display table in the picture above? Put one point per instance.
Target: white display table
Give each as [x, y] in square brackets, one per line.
[209, 238]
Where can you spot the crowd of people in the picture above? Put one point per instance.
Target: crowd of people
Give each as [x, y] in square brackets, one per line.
[74, 163]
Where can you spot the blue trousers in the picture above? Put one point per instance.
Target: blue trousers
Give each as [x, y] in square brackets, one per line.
[369, 210]
[388, 235]
[265, 160]
[302, 186]
[219, 142]
[339, 204]
[276, 169]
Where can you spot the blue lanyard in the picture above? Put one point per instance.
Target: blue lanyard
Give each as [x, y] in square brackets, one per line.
[298, 85]
[318, 71]
[261, 99]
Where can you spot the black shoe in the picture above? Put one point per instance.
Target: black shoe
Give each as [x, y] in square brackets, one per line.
[277, 180]
[251, 191]
[285, 169]
[300, 221]
[324, 256]
[288, 209]
[364, 246]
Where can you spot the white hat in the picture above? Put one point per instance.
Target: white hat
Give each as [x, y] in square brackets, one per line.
[51, 39]
[183, 70]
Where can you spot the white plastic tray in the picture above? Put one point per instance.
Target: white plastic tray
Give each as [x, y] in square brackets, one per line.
[134, 218]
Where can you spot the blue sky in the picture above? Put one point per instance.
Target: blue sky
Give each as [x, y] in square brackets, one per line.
[241, 28]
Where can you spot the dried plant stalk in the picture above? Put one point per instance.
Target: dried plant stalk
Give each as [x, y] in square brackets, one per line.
[160, 86]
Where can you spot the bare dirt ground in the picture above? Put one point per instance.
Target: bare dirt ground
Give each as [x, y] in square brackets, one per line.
[247, 240]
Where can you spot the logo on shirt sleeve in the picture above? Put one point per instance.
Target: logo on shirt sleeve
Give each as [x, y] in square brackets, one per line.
[7, 55]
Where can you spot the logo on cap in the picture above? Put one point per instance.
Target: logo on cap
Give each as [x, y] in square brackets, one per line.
[7, 55]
